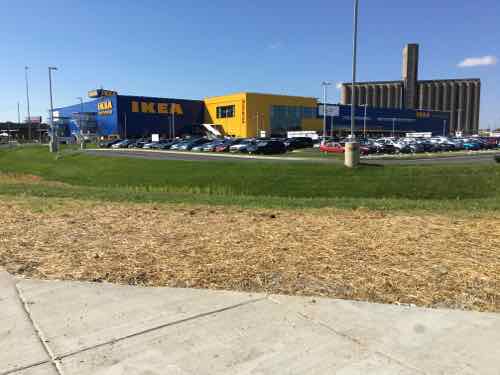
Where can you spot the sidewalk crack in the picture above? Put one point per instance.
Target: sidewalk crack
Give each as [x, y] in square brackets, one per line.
[39, 333]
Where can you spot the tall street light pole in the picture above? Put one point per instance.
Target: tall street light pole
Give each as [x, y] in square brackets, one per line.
[80, 125]
[352, 147]
[325, 85]
[364, 121]
[27, 101]
[53, 136]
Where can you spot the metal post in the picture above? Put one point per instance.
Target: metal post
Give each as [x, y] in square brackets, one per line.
[459, 110]
[173, 124]
[354, 61]
[27, 101]
[393, 126]
[53, 140]
[125, 125]
[331, 126]
[351, 154]
[257, 125]
[325, 85]
[364, 122]
[82, 139]
[444, 128]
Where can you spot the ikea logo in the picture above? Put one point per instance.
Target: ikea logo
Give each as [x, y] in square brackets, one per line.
[423, 115]
[157, 108]
[105, 108]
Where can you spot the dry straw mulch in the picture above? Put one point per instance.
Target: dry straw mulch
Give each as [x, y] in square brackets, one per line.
[424, 259]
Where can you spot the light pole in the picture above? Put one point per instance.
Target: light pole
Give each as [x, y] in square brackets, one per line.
[173, 123]
[393, 127]
[444, 128]
[27, 101]
[352, 147]
[82, 139]
[53, 146]
[459, 127]
[364, 121]
[325, 85]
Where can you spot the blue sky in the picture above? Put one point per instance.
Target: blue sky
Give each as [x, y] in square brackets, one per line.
[194, 49]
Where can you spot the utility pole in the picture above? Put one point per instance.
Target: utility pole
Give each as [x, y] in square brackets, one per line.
[27, 101]
[351, 154]
[173, 123]
[325, 85]
[459, 110]
[124, 125]
[364, 122]
[54, 146]
[257, 135]
[82, 139]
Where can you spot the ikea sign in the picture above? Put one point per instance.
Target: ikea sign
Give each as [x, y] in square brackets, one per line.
[156, 108]
[105, 108]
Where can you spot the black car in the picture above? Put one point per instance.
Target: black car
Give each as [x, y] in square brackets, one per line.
[298, 143]
[267, 148]
[108, 144]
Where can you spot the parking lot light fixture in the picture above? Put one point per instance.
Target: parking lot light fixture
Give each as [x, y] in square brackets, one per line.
[352, 151]
[53, 138]
[325, 85]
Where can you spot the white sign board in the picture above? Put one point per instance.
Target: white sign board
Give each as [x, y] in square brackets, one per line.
[296, 134]
[155, 138]
[263, 134]
[419, 135]
[331, 110]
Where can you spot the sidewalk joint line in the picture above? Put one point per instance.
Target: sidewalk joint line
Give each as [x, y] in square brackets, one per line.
[41, 337]
[161, 326]
[17, 369]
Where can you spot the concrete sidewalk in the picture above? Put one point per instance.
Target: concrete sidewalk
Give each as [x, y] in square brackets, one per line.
[54, 327]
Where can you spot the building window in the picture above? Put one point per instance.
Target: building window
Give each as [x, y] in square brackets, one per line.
[225, 111]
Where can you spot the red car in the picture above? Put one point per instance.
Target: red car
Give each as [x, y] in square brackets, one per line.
[339, 148]
[334, 147]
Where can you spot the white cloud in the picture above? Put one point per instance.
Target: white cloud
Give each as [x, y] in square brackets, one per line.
[478, 61]
[274, 45]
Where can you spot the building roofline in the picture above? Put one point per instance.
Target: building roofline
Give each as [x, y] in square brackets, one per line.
[418, 81]
[259, 93]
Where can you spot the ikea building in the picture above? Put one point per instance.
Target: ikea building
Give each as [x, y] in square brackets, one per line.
[245, 114]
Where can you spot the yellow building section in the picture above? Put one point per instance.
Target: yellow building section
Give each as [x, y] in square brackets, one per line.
[248, 114]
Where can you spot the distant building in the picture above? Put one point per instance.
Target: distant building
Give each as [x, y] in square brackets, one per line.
[460, 97]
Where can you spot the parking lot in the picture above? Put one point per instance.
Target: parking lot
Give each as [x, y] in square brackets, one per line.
[435, 147]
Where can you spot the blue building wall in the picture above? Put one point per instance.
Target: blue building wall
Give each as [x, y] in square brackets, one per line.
[137, 116]
[106, 123]
[142, 116]
[381, 120]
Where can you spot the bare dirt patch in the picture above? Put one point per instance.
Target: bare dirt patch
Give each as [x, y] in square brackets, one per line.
[423, 259]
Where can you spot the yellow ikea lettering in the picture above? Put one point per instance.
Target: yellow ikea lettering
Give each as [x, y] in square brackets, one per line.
[158, 108]
[163, 108]
[103, 106]
[135, 107]
[177, 109]
[148, 107]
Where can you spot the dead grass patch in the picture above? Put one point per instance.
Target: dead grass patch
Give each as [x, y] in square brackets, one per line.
[426, 259]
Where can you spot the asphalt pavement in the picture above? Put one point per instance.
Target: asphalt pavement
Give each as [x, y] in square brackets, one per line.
[476, 158]
[69, 327]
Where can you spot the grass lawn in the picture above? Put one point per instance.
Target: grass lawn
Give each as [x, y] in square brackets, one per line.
[425, 235]
[263, 184]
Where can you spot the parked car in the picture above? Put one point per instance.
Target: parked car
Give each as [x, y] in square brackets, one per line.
[108, 144]
[242, 145]
[208, 147]
[298, 143]
[267, 147]
[123, 144]
[189, 144]
[224, 146]
[333, 147]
